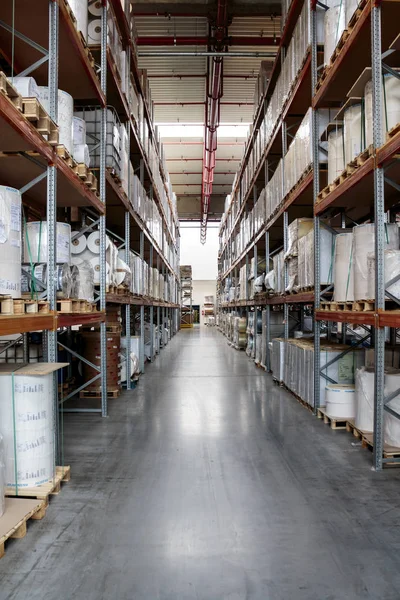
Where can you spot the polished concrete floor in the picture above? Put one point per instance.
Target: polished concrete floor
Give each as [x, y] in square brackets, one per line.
[208, 482]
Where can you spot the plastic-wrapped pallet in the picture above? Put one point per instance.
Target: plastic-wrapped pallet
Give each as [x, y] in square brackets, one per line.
[363, 242]
[92, 116]
[392, 270]
[306, 258]
[335, 23]
[296, 230]
[80, 11]
[278, 262]
[343, 270]
[392, 423]
[26, 86]
[293, 270]
[35, 242]
[365, 399]
[10, 241]
[335, 154]
[390, 106]
[2, 477]
[65, 114]
[278, 359]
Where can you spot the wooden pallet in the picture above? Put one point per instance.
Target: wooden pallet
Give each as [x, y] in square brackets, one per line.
[351, 428]
[96, 394]
[393, 131]
[42, 492]
[8, 90]
[388, 451]
[333, 422]
[75, 24]
[36, 114]
[13, 523]
[72, 305]
[20, 306]
[87, 176]
[346, 173]
[63, 153]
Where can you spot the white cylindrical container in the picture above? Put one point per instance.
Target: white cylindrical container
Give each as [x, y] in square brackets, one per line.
[26, 416]
[78, 245]
[95, 263]
[94, 32]
[35, 242]
[390, 106]
[65, 114]
[26, 86]
[80, 10]
[94, 8]
[364, 244]
[334, 25]
[392, 269]
[335, 154]
[78, 131]
[340, 401]
[343, 270]
[365, 379]
[353, 132]
[10, 242]
[391, 423]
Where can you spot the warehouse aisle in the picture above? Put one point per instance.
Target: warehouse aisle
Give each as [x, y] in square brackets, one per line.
[209, 482]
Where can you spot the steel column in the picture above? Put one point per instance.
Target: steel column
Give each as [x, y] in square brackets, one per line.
[141, 350]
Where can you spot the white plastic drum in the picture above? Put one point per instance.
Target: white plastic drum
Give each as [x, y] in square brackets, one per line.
[340, 401]
[353, 132]
[343, 271]
[391, 423]
[65, 114]
[30, 461]
[364, 242]
[10, 242]
[364, 419]
[335, 154]
[334, 24]
[35, 242]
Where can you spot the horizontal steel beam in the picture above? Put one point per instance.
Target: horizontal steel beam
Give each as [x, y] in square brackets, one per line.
[181, 40]
[194, 53]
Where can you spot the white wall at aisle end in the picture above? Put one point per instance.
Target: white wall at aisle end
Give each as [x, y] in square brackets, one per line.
[201, 288]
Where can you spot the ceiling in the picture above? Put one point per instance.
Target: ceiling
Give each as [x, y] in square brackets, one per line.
[178, 86]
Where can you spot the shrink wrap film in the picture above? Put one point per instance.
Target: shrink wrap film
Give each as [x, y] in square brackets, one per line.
[343, 276]
[392, 270]
[390, 106]
[85, 289]
[351, 7]
[80, 10]
[353, 132]
[364, 419]
[335, 154]
[392, 423]
[363, 244]
[278, 359]
[10, 242]
[81, 154]
[334, 24]
[78, 131]
[2, 477]
[296, 230]
[35, 242]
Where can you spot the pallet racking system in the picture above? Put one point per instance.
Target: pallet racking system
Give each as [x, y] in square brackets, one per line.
[46, 44]
[370, 40]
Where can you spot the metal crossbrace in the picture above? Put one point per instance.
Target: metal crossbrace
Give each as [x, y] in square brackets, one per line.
[79, 389]
[10, 344]
[392, 183]
[391, 71]
[85, 360]
[34, 66]
[350, 349]
[24, 38]
[84, 230]
[28, 186]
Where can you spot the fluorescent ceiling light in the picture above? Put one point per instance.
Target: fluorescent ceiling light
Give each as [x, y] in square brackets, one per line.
[173, 130]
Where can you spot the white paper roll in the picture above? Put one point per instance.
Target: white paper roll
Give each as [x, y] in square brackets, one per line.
[26, 86]
[35, 242]
[353, 132]
[95, 263]
[340, 401]
[94, 8]
[94, 32]
[80, 10]
[122, 271]
[10, 241]
[78, 245]
[34, 428]
[335, 154]
[93, 242]
[364, 419]
[65, 114]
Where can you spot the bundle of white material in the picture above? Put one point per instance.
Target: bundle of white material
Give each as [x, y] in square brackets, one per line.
[80, 148]
[343, 276]
[351, 7]
[35, 242]
[391, 423]
[26, 416]
[10, 241]
[80, 10]
[340, 401]
[335, 154]
[364, 419]
[390, 106]
[353, 132]
[85, 289]
[364, 242]
[334, 24]
[26, 86]
[278, 358]
[124, 159]
[65, 114]
[2, 477]
[392, 270]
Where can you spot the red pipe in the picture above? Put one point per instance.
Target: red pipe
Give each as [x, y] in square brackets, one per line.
[214, 95]
[235, 40]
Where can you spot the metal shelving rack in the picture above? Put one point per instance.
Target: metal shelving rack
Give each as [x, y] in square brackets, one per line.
[186, 289]
[376, 182]
[46, 44]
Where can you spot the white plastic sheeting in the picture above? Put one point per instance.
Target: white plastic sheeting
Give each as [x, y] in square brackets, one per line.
[391, 423]
[343, 276]
[2, 476]
[392, 270]
[65, 114]
[10, 241]
[335, 154]
[35, 242]
[364, 419]
[390, 106]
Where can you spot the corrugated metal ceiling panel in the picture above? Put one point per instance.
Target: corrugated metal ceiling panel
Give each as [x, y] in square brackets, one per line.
[160, 25]
[238, 90]
[255, 26]
[179, 114]
[181, 165]
[230, 151]
[164, 65]
[236, 114]
[178, 90]
[184, 178]
[247, 65]
[179, 151]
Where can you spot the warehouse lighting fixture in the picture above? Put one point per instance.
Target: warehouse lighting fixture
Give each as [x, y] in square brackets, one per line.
[190, 130]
